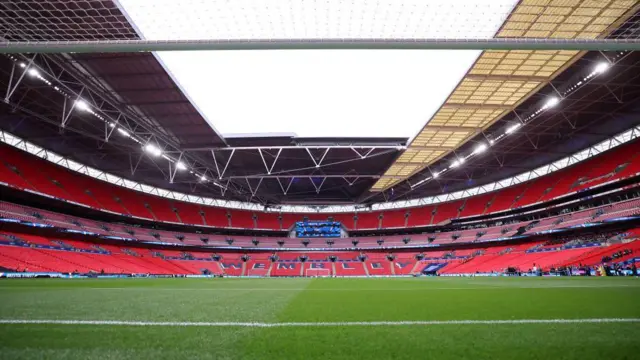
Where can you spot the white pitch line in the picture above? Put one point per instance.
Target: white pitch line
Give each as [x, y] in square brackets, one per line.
[320, 324]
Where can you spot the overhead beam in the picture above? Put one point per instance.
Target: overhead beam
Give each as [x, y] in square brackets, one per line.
[429, 147]
[97, 46]
[157, 102]
[476, 106]
[506, 78]
[410, 163]
[298, 147]
[341, 176]
[451, 128]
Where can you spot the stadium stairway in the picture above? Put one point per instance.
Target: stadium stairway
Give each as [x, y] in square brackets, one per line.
[270, 268]
[378, 267]
[416, 266]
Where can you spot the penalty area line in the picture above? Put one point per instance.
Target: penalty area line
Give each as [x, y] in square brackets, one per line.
[318, 324]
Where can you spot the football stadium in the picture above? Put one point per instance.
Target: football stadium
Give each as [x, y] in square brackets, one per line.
[320, 179]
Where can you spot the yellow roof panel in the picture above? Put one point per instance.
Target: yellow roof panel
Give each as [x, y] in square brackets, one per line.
[476, 102]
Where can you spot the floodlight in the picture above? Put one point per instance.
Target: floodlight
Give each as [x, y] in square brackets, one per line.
[551, 102]
[33, 72]
[513, 128]
[601, 67]
[112, 125]
[153, 150]
[123, 132]
[181, 166]
[203, 178]
[22, 65]
[480, 148]
[81, 105]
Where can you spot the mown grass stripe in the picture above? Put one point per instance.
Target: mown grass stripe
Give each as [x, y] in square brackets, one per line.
[318, 324]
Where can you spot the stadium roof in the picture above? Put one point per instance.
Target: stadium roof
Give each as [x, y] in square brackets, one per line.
[145, 96]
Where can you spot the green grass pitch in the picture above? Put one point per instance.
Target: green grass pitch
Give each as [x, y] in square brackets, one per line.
[278, 301]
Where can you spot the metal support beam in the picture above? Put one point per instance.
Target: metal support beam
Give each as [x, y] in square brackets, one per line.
[476, 106]
[427, 147]
[11, 88]
[365, 155]
[107, 135]
[96, 46]
[317, 187]
[220, 175]
[618, 98]
[215, 161]
[506, 78]
[453, 128]
[253, 191]
[133, 167]
[285, 190]
[103, 105]
[352, 181]
[67, 109]
[268, 168]
[223, 189]
[284, 176]
[299, 147]
[315, 162]
[172, 172]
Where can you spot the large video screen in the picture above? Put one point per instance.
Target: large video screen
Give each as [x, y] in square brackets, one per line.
[315, 229]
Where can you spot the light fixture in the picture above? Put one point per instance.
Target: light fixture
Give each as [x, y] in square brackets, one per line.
[81, 105]
[123, 132]
[153, 150]
[203, 178]
[601, 67]
[23, 65]
[435, 175]
[112, 125]
[491, 142]
[480, 148]
[513, 128]
[33, 72]
[457, 163]
[551, 102]
[181, 166]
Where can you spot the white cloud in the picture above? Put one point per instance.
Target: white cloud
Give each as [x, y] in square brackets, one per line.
[361, 93]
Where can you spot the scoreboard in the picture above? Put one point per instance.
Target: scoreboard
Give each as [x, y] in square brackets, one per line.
[318, 229]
